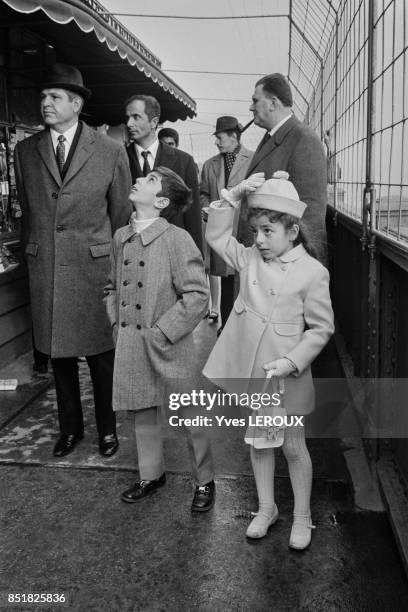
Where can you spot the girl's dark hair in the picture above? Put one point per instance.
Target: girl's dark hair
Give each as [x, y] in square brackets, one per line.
[175, 189]
[288, 221]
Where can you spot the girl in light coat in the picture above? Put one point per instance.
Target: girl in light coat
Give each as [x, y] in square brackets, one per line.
[281, 320]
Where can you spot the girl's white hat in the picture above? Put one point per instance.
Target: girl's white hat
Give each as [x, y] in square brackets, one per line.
[277, 194]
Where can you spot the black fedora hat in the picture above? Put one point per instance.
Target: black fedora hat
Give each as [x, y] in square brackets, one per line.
[225, 124]
[68, 77]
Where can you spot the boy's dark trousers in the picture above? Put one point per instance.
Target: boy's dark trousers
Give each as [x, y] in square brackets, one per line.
[68, 393]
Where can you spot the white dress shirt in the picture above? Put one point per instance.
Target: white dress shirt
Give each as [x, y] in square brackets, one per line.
[152, 153]
[69, 137]
[276, 128]
[138, 225]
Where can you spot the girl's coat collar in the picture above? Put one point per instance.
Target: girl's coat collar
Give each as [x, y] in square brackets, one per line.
[296, 253]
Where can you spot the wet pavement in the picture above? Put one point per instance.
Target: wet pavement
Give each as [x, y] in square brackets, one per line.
[65, 530]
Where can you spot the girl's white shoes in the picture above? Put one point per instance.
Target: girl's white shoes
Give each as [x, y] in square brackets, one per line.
[301, 534]
[258, 527]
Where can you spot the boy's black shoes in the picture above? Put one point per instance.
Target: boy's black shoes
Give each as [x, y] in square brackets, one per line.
[66, 444]
[204, 497]
[142, 488]
[108, 445]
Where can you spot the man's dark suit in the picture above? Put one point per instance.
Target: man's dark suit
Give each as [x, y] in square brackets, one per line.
[297, 149]
[183, 164]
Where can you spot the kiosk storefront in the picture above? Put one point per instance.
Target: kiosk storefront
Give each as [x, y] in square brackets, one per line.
[114, 63]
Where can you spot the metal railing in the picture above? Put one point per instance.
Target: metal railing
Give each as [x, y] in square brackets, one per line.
[348, 60]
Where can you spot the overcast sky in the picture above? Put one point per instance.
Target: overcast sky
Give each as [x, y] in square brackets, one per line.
[249, 45]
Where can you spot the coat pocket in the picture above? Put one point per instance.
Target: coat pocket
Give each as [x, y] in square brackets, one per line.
[239, 306]
[100, 250]
[31, 249]
[288, 329]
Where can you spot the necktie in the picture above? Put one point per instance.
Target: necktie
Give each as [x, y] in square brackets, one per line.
[60, 152]
[146, 168]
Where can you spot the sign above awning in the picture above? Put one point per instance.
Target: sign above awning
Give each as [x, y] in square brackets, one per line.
[115, 66]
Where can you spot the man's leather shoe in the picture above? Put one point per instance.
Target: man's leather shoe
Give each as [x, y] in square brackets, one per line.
[142, 488]
[66, 444]
[204, 497]
[108, 445]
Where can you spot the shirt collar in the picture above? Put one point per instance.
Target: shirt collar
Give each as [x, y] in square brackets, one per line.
[69, 135]
[152, 149]
[276, 128]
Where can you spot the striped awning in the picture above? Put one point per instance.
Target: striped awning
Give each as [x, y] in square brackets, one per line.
[119, 63]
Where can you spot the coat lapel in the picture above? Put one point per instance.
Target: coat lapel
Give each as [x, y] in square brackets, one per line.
[47, 154]
[85, 148]
[265, 149]
[164, 156]
[133, 161]
[218, 168]
[241, 159]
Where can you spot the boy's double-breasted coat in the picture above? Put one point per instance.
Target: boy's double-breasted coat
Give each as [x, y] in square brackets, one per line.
[68, 224]
[156, 295]
[283, 310]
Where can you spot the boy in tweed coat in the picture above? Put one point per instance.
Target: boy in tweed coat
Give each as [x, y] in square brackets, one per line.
[156, 295]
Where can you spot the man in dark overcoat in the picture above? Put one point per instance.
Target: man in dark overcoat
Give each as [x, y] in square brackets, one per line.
[146, 152]
[289, 145]
[73, 184]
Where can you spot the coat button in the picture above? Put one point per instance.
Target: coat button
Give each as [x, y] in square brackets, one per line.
[54, 195]
[140, 284]
[123, 324]
[138, 306]
[141, 263]
[126, 262]
[60, 228]
[283, 268]
[126, 283]
[138, 326]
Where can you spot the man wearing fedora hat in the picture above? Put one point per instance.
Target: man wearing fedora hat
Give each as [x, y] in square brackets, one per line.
[289, 145]
[73, 185]
[224, 170]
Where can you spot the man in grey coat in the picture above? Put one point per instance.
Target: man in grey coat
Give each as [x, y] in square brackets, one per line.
[289, 145]
[224, 170]
[73, 184]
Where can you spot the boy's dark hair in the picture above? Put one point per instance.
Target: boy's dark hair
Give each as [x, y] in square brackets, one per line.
[288, 221]
[175, 189]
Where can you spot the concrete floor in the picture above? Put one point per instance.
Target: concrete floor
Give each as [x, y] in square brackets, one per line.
[65, 530]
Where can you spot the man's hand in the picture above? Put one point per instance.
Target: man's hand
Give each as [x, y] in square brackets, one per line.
[279, 368]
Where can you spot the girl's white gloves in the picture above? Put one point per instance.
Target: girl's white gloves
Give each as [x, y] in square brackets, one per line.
[234, 195]
[280, 368]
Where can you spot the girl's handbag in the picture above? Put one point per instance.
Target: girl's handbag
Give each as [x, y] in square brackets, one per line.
[269, 430]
